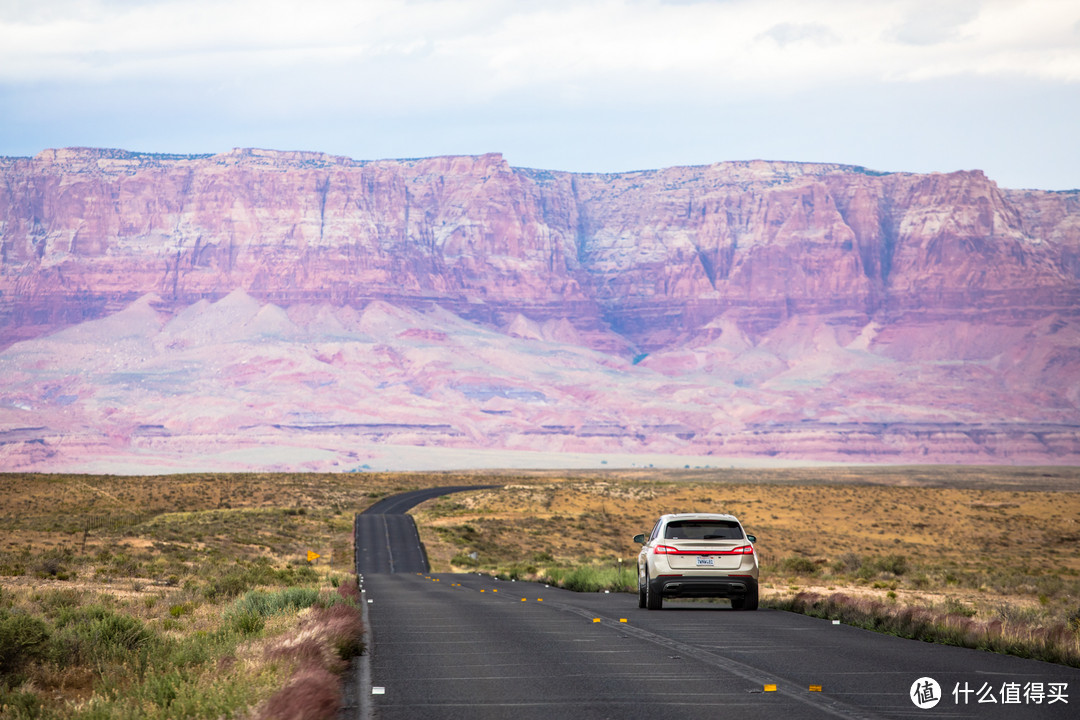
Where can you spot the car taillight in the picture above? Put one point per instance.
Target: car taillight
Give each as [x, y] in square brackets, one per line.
[669, 550]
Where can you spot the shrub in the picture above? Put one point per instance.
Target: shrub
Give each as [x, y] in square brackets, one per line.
[56, 602]
[119, 634]
[94, 634]
[584, 579]
[1074, 621]
[1052, 644]
[343, 627]
[228, 586]
[162, 689]
[313, 694]
[464, 560]
[349, 589]
[22, 638]
[799, 565]
[895, 564]
[17, 704]
[247, 622]
[955, 607]
[266, 603]
[180, 609]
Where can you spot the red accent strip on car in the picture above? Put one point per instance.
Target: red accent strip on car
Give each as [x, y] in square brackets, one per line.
[668, 550]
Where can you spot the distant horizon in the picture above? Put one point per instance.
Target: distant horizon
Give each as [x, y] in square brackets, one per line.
[853, 166]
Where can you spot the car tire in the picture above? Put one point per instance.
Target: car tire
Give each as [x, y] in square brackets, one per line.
[640, 593]
[749, 601]
[653, 599]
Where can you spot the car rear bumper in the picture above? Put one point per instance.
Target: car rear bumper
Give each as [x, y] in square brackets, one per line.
[687, 586]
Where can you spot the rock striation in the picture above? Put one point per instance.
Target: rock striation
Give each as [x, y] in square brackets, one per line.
[831, 311]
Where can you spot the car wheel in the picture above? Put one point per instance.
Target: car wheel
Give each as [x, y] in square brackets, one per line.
[746, 602]
[640, 593]
[653, 599]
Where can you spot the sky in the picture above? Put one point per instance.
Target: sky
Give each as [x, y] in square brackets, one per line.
[578, 85]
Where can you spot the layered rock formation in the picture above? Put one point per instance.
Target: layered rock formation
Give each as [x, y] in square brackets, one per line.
[829, 311]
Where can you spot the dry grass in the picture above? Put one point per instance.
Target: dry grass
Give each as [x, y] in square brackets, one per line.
[575, 518]
[163, 564]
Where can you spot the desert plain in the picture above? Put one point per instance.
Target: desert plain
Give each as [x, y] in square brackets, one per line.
[134, 592]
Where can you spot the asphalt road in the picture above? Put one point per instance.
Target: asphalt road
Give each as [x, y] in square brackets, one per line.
[386, 540]
[467, 646]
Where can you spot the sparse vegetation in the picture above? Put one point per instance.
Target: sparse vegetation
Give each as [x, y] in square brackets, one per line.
[180, 596]
[954, 624]
[190, 596]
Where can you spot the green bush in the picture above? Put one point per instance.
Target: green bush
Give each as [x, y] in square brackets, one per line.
[464, 560]
[247, 622]
[95, 634]
[162, 689]
[849, 562]
[265, 603]
[584, 579]
[190, 652]
[799, 565]
[119, 634]
[228, 586]
[895, 564]
[956, 607]
[17, 705]
[22, 638]
[57, 602]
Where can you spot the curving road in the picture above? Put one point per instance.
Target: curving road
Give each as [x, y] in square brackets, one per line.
[467, 646]
[386, 539]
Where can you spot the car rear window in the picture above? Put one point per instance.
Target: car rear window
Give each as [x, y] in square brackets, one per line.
[703, 530]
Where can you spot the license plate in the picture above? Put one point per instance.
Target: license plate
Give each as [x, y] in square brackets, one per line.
[704, 561]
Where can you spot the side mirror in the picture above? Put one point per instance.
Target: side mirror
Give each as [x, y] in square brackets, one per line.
[640, 538]
[751, 538]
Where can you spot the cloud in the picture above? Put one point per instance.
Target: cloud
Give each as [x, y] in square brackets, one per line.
[495, 46]
[931, 23]
[788, 33]
[566, 77]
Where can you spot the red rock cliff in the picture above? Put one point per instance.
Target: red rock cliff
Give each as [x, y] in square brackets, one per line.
[655, 255]
[746, 308]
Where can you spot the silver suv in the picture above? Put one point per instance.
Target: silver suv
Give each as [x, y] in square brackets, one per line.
[698, 555]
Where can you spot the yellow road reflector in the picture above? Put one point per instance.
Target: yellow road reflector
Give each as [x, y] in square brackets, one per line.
[815, 688]
[524, 599]
[495, 590]
[623, 620]
[482, 590]
[539, 599]
[596, 619]
[312, 556]
[770, 688]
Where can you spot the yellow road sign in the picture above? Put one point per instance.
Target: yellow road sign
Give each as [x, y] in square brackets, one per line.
[312, 556]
